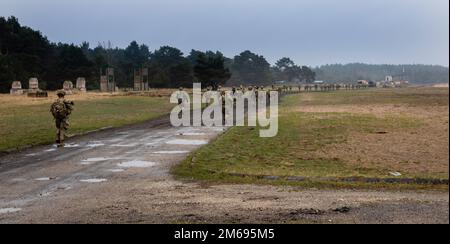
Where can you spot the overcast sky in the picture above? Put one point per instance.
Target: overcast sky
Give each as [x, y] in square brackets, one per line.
[311, 32]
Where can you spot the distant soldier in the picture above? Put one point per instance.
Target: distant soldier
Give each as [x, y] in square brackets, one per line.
[269, 89]
[233, 95]
[239, 93]
[223, 102]
[61, 109]
[208, 94]
[182, 98]
[233, 90]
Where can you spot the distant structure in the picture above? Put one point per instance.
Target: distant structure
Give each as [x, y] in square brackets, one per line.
[141, 79]
[16, 88]
[33, 85]
[68, 87]
[33, 88]
[388, 79]
[81, 84]
[363, 82]
[107, 80]
[401, 83]
[389, 82]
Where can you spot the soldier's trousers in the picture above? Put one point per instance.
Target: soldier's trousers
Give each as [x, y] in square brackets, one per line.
[61, 127]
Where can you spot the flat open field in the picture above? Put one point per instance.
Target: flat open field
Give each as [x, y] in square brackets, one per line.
[27, 121]
[368, 133]
[122, 175]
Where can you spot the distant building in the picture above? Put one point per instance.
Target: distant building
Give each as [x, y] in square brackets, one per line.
[389, 82]
[363, 82]
[319, 82]
[401, 83]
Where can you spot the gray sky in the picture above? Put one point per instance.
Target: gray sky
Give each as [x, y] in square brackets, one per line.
[311, 32]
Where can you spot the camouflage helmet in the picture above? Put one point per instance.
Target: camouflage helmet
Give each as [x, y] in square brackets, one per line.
[60, 93]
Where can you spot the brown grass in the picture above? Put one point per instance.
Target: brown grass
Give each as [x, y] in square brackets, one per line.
[423, 150]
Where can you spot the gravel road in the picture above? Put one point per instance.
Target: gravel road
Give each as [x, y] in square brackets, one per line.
[122, 176]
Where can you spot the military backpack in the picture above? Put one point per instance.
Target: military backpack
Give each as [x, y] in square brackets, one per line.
[59, 110]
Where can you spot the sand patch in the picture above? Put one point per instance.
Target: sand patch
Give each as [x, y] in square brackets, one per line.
[422, 150]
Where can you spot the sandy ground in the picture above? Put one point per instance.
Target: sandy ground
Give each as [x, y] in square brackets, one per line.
[24, 100]
[441, 85]
[122, 176]
[422, 150]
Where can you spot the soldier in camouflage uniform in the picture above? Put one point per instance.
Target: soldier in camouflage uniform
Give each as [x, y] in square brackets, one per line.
[223, 102]
[61, 109]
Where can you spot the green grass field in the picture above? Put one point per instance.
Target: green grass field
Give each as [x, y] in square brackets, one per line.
[25, 125]
[293, 151]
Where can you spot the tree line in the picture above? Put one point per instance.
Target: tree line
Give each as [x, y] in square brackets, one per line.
[414, 73]
[26, 53]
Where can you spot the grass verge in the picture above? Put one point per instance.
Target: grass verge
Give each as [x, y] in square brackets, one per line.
[28, 125]
[292, 152]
